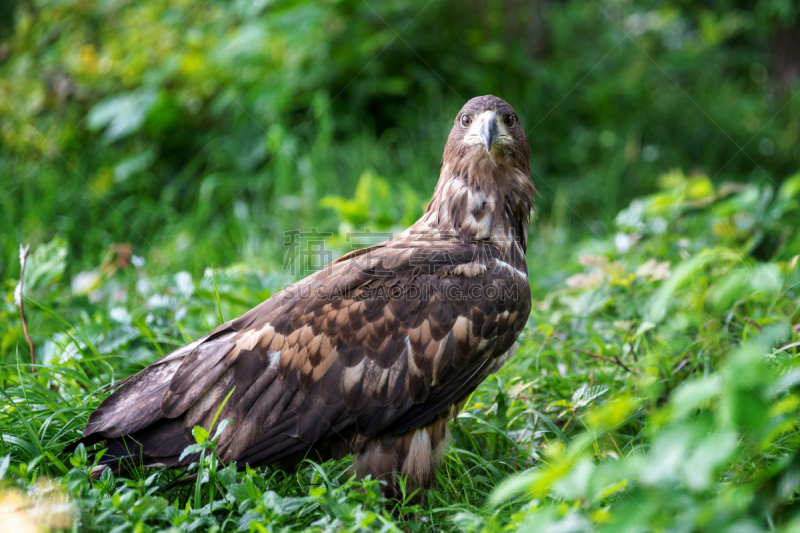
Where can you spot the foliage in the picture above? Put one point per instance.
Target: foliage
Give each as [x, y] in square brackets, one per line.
[655, 388]
[199, 132]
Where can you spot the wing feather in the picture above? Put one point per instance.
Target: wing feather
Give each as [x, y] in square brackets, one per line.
[348, 351]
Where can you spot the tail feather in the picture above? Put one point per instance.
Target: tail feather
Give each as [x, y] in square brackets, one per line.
[135, 405]
[165, 438]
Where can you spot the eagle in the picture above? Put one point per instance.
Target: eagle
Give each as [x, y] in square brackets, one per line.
[369, 356]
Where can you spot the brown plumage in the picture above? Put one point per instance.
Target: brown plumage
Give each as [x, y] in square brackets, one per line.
[372, 354]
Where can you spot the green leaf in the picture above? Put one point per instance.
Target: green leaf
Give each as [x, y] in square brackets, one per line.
[122, 114]
[192, 449]
[693, 394]
[221, 428]
[200, 434]
[659, 303]
[741, 283]
[53, 459]
[46, 265]
[79, 456]
[244, 491]
[4, 462]
[714, 451]
[512, 486]
[219, 411]
[748, 379]
[219, 303]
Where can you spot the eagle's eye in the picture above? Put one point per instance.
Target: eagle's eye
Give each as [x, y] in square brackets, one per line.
[509, 120]
[466, 120]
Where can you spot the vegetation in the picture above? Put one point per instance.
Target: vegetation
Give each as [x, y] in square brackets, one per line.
[656, 387]
[200, 131]
[155, 154]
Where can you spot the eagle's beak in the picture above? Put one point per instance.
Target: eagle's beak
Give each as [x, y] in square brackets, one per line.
[489, 131]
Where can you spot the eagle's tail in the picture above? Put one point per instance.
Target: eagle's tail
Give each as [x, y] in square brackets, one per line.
[130, 420]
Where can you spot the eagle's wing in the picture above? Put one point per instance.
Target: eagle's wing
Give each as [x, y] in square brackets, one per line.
[378, 342]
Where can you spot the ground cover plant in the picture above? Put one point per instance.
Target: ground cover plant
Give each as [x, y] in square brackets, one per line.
[655, 388]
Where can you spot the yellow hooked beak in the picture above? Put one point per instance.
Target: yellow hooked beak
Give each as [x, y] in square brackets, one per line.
[488, 130]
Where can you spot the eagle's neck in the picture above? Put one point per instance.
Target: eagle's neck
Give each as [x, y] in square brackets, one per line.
[481, 202]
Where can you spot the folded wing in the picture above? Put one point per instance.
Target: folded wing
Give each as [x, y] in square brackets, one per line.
[381, 342]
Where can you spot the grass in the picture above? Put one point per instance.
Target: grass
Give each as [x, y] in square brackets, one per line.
[654, 388]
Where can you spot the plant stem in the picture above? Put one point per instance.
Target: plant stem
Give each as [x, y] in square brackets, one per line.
[23, 260]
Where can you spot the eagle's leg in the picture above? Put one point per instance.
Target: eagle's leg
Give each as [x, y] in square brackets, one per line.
[409, 459]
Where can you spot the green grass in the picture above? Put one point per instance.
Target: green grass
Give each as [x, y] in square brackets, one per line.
[654, 388]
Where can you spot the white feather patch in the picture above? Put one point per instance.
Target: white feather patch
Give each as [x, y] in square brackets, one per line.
[503, 264]
[420, 456]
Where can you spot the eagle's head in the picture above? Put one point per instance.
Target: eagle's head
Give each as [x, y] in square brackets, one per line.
[487, 133]
[484, 189]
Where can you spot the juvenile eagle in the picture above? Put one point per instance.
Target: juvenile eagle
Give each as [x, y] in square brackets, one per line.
[372, 354]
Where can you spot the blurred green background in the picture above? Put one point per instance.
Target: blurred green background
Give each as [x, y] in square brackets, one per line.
[199, 131]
